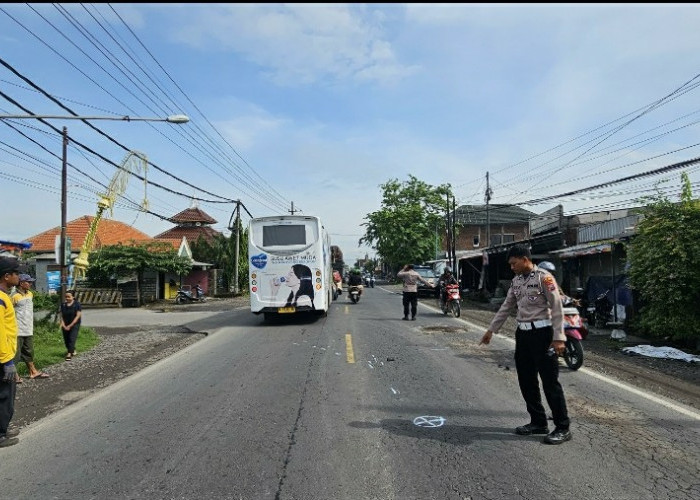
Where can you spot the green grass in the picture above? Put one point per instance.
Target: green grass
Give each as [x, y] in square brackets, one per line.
[49, 348]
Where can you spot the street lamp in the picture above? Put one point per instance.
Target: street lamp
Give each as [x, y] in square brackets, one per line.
[178, 119]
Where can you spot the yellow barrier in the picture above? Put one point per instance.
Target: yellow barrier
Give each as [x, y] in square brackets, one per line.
[99, 296]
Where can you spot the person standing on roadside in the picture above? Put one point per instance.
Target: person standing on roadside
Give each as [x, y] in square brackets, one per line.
[410, 290]
[9, 277]
[539, 339]
[71, 313]
[23, 302]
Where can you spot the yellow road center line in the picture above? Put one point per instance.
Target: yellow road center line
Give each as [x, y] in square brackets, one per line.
[350, 353]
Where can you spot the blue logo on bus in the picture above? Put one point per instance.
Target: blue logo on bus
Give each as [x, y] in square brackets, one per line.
[259, 261]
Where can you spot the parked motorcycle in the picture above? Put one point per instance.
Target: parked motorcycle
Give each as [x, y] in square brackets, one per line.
[451, 302]
[185, 296]
[602, 310]
[576, 330]
[354, 293]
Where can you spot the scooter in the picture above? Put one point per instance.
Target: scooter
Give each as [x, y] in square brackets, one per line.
[575, 330]
[602, 310]
[452, 300]
[183, 296]
[371, 281]
[354, 293]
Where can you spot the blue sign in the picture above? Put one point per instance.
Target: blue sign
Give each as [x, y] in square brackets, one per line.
[54, 280]
[259, 261]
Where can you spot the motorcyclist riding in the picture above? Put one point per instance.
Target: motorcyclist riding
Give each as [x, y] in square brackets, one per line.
[446, 278]
[355, 279]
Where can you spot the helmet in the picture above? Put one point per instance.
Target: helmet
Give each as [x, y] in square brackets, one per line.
[447, 270]
[355, 271]
[547, 266]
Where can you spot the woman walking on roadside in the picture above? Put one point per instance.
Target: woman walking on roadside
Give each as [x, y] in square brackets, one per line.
[70, 323]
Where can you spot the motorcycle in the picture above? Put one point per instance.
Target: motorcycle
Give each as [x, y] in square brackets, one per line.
[602, 310]
[354, 293]
[452, 301]
[338, 282]
[575, 330]
[371, 282]
[184, 296]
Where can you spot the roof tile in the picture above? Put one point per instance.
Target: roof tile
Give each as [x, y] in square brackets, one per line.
[109, 232]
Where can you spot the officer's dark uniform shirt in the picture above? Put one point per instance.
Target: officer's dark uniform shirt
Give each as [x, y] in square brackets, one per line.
[536, 296]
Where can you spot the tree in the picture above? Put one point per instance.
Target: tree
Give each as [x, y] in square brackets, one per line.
[222, 253]
[664, 259]
[404, 229]
[337, 262]
[117, 261]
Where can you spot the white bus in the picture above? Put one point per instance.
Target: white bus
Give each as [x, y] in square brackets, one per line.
[289, 265]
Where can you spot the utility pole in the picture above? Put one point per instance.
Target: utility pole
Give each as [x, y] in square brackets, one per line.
[238, 246]
[488, 215]
[64, 212]
[448, 236]
[292, 211]
[454, 238]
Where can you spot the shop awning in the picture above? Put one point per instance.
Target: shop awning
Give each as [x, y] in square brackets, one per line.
[592, 248]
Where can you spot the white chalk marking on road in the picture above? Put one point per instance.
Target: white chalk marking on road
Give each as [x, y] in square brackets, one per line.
[394, 390]
[429, 421]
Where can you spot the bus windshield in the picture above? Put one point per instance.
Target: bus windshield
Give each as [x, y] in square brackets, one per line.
[283, 235]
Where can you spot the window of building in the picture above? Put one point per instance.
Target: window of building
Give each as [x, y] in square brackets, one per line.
[499, 239]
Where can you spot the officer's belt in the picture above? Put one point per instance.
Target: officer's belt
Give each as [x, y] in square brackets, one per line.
[533, 325]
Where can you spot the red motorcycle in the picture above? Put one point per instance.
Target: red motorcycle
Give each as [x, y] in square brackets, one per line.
[452, 301]
[576, 330]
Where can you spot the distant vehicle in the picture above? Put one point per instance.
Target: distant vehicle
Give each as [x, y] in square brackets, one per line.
[185, 295]
[290, 265]
[428, 275]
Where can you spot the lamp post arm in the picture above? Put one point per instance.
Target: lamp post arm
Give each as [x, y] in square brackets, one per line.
[170, 119]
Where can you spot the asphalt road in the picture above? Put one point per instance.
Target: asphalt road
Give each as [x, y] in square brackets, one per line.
[356, 405]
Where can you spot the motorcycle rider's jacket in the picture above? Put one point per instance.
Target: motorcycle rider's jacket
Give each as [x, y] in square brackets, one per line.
[536, 296]
[354, 279]
[447, 280]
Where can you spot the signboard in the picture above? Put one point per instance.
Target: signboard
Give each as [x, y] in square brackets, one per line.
[53, 279]
[57, 249]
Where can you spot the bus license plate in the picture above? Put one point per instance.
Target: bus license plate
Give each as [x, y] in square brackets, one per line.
[283, 310]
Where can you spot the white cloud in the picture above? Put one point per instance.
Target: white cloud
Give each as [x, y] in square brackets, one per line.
[299, 43]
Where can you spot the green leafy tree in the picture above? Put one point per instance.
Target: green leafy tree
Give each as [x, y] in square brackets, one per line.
[664, 260]
[116, 261]
[221, 252]
[403, 230]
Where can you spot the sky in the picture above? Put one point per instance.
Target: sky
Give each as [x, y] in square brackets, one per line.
[313, 107]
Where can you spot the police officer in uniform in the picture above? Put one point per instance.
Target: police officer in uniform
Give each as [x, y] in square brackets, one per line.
[539, 339]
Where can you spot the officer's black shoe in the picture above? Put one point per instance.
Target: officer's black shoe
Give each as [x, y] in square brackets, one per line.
[527, 429]
[558, 436]
[405, 318]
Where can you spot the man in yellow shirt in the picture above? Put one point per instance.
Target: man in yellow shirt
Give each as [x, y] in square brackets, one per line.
[9, 277]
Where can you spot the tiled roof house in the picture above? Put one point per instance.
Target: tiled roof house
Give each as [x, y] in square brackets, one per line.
[191, 223]
[109, 232]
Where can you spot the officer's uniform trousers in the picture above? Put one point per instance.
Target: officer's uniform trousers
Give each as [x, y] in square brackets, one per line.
[532, 359]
